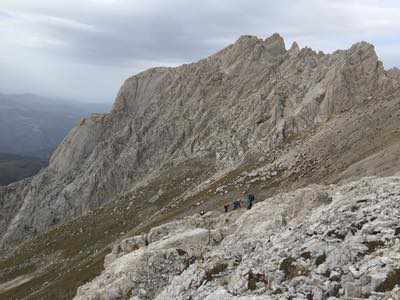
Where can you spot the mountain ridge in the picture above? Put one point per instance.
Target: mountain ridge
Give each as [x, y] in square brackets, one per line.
[254, 117]
[251, 96]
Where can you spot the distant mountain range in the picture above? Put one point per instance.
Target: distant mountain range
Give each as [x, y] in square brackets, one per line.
[33, 126]
[15, 167]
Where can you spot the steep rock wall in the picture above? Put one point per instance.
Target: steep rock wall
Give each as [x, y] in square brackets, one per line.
[246, 100]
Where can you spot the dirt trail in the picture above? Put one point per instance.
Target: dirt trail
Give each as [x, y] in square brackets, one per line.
[15, 282]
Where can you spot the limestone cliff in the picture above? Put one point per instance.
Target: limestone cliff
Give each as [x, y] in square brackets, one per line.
[308, 116]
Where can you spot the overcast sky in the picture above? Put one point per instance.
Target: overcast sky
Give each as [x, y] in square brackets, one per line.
[84, 49]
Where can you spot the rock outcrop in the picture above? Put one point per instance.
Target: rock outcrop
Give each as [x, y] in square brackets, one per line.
[328, 241]
[253, 101]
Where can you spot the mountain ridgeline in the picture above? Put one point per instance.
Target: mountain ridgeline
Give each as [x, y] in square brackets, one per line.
[315, 116]
[253, 117]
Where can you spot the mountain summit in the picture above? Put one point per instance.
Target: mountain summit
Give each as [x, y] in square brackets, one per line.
[243, 103]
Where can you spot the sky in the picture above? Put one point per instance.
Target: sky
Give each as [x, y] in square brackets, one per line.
[85, 49]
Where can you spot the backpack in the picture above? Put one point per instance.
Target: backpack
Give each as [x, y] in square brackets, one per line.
[251, 198]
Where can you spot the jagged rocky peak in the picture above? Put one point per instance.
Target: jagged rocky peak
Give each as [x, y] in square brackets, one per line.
[251, 40]
[395, 73]
[248, 40]
[364, 49]
[251, 99]
[294, 48]
[274, 44]
[364, 54]
[252, 117]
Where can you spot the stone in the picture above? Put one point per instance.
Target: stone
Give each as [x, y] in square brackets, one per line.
[353, 290]
[209, 109]
[203, 260]
[316, 118]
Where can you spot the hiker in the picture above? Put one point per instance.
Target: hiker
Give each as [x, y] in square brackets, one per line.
[283, 220]
[262, 278]
[251, 281]
[249, 201]
[236, 204]
[226, 206]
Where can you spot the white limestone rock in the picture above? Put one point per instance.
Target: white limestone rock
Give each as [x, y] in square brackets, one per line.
[253, 98]
[345, 247]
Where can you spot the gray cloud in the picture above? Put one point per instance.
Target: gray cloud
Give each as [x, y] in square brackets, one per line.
[86, 48]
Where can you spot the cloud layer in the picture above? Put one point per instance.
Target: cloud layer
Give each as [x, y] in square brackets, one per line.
[84, 49]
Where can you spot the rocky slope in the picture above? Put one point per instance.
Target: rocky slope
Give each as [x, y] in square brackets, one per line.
[254, 116]
[246, 102]
[333, 241]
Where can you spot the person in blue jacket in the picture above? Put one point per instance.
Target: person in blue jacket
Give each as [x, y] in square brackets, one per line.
[249, 200]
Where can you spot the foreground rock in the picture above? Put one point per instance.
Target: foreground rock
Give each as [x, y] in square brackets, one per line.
[334, 241]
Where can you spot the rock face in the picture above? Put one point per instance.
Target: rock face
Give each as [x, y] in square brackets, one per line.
[319, 117]
[328, 241]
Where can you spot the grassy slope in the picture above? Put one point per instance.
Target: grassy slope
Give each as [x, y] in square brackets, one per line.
[73, 253]
[77, 248]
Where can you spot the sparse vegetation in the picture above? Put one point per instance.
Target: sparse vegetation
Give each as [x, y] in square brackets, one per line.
[373, 245]
[291, 268]
[391, 281]
[83, 244]
[215, 270]
[320, 259]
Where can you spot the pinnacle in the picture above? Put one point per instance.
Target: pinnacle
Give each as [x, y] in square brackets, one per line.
[276, 44]
[364, 49]
[276, 37]
[294, 48]
[363, 53]
[363, 46]
[248, 40]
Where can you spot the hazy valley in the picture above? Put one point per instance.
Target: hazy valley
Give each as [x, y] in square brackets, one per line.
[31, 127]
